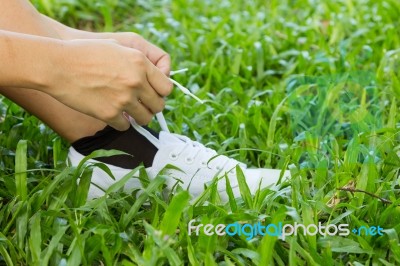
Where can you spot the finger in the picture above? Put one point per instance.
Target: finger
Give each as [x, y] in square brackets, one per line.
[155, 54]
[120, 123]
[158, 80]
[139, 112]
[151, 100]
[159, 58]
[164, 64]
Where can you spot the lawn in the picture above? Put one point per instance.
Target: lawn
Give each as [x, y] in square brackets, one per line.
[307, 85]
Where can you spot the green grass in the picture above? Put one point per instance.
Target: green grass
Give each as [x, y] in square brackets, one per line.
[312, 85]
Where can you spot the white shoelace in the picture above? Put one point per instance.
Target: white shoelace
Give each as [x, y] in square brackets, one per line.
[197, 147]
[160, 117]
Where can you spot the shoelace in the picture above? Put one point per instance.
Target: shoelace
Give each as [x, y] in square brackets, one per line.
[160, 117]
[194, 145]
[197, 149]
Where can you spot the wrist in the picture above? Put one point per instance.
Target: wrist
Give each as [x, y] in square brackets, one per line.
[59, 67]
[52, 64]
[26, 60]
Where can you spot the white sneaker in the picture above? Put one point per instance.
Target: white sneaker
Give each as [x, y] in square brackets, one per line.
[199, 166]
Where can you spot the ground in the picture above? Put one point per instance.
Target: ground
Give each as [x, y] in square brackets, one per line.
[307, 85]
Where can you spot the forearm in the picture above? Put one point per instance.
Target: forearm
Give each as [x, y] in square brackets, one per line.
[20, 16]
[26, 60]
[67, 33]
[128, 39]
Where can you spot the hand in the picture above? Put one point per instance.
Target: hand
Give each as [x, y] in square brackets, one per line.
[103, 79]
[128, 39]
[131, 40]
[155, 54]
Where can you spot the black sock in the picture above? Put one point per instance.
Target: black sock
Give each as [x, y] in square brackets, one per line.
[130, 141]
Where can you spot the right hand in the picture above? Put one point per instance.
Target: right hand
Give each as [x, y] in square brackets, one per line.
[103, 79]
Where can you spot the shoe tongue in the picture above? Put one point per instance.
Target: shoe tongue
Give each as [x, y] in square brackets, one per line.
[169, 139]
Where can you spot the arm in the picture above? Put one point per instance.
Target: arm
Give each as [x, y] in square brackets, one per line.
[99, 78]
[26, 60]
[128, 39]
[10, 9]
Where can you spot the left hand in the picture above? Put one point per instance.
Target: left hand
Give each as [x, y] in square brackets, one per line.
[128, 39]
[132, 40]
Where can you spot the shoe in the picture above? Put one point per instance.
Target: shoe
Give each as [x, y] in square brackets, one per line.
[194, 166]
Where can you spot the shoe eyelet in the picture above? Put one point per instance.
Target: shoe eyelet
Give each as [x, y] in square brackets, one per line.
[173, 156]
[204, 164]
[232, 172]
[218, 168]
[188, 160]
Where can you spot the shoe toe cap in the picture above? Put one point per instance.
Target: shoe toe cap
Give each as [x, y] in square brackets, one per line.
[263, 178]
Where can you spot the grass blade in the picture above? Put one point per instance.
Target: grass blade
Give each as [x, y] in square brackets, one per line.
[127, 218]
[5, 256]
[20, 170]
[35, 239]
[55, 240]
[232, 200]
[173, 213]
[244, 188]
